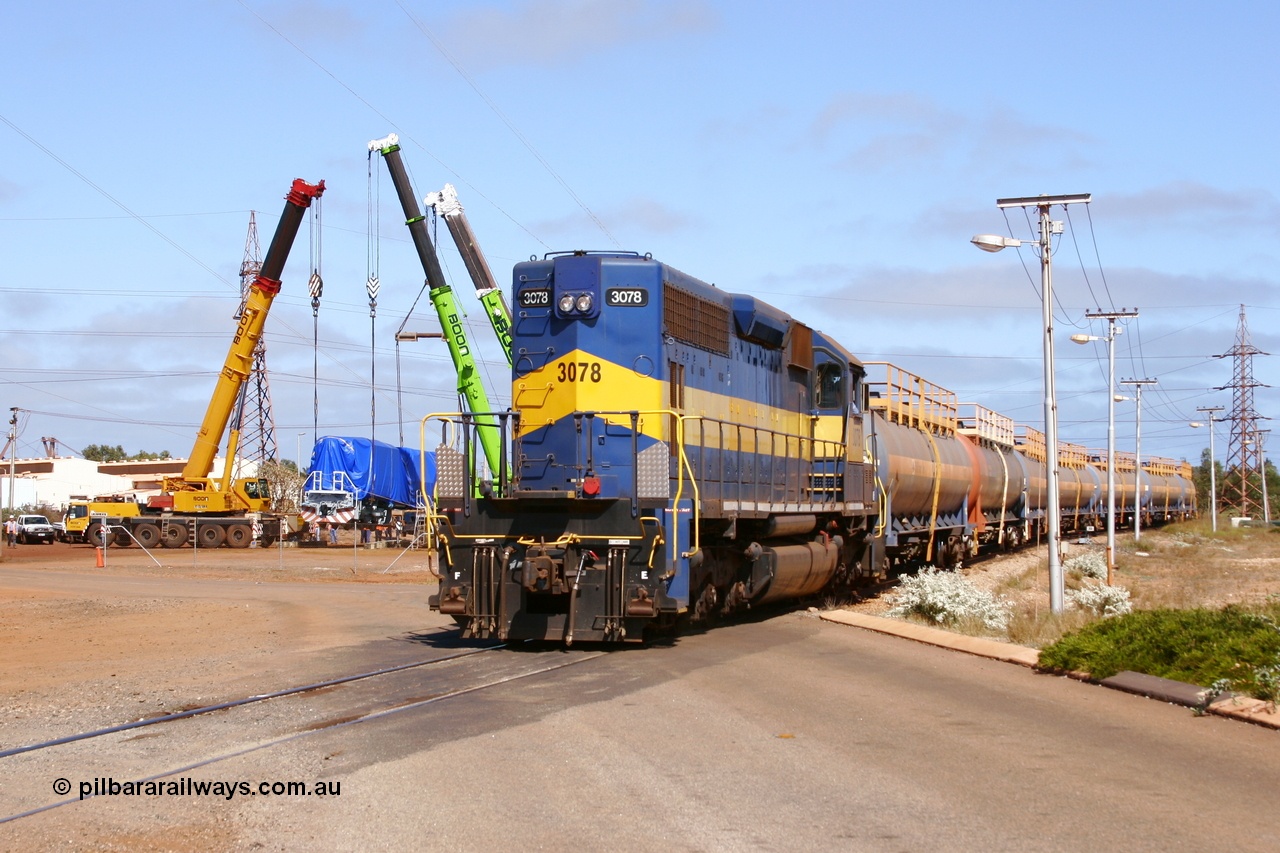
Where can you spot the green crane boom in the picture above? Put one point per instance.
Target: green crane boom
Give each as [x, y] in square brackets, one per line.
[447, 205]
[469, 384]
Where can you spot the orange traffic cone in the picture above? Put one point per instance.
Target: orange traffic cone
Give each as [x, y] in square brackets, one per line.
[98, 551]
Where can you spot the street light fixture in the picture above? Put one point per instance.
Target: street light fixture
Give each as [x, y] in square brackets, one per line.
[994, 243]
[1213, 466]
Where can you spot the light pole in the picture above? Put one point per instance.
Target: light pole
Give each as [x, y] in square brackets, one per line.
[1256, 438]
[1213, 466]
[1112, 332]
[1138, 385]
[994, 243]
[300, 435]
[13, 450]
[1262, 454]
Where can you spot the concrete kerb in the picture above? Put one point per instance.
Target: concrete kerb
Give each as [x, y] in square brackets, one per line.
[1236, 707]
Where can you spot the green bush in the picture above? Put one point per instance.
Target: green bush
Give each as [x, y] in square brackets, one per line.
[1195, 646]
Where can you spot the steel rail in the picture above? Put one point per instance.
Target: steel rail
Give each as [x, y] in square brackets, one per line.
[377, 715]
[237, 703]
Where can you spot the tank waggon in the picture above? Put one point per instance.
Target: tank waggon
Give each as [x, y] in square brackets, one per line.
[1080, 486]
[997, 496]
[676, 451]
[924, 467]
[1168, 493]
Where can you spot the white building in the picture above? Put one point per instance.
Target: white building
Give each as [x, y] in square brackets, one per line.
[53, 481]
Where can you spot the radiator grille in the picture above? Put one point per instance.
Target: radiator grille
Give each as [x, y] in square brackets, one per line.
[695, 320]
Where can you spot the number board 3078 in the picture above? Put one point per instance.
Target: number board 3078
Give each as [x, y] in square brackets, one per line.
[626, 297]
[535, 298]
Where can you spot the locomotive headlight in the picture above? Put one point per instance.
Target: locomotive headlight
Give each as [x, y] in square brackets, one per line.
[584, 303]
[566, 303]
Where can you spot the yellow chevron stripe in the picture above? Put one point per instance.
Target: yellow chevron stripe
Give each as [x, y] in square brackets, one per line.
[578, 382]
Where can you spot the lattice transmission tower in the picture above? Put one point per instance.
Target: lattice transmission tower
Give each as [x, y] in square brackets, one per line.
[257, 423]
[1242, 482]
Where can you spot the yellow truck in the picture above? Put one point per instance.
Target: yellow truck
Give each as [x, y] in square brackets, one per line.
[83, 519]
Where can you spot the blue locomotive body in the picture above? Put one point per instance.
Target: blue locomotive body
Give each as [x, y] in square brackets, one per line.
[677, 450]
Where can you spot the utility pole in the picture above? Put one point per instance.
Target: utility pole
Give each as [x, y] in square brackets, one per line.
[1112, 331]
[1213, 466]
[1262, 455]
[1137, 453]
[994, 243]
[13, 454]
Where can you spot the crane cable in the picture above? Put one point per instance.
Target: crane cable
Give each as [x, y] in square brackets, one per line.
[372, 286]
[315, 286]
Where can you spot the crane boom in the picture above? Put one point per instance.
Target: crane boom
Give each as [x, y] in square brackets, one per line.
[239, 361]
[447, 205]
[470, 385]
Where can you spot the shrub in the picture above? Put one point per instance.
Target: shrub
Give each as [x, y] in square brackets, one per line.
[1090, 564]
[1195, 646]
[947, 598]
[1101, 599]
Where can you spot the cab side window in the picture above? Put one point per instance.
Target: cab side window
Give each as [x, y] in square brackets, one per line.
[829, 393]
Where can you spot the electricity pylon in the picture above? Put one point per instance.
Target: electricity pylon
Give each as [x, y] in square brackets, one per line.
[1242, 481]
[257, 423]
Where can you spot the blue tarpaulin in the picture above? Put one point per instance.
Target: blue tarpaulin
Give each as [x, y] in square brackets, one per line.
[371, 468]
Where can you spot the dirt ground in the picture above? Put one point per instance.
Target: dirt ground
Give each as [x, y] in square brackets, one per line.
[84, 646]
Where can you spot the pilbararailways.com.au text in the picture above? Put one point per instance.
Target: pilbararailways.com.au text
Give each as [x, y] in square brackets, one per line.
[188, 787]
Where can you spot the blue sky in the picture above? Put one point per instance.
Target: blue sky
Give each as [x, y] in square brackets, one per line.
[831, 158]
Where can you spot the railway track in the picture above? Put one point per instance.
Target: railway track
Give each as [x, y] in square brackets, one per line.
[188, 740]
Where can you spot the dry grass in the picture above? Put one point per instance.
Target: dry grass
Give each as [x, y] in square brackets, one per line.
[1182, 566]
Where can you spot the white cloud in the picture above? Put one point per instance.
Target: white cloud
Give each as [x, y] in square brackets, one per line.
[316, 20]
[636, 216]
[561, 32]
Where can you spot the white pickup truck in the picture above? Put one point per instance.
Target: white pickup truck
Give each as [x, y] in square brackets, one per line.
[35, 528]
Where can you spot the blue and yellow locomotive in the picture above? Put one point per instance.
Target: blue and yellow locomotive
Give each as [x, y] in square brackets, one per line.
[676, 450]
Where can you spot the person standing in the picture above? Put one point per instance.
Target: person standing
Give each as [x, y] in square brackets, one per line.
[11, 531]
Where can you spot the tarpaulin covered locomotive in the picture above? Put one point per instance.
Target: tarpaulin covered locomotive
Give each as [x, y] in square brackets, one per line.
[677, 450]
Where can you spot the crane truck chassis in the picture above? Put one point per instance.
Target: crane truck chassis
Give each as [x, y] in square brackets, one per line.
[171, 531]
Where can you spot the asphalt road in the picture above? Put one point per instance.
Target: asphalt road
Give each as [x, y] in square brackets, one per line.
[784, 734]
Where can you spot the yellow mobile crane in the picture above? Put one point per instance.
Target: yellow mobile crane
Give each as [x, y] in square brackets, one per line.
[194, 507]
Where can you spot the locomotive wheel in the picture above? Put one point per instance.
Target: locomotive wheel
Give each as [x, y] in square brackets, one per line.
[706, 608]
[210, 535]
[239, 536]
[174, 536]
[148, 535]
